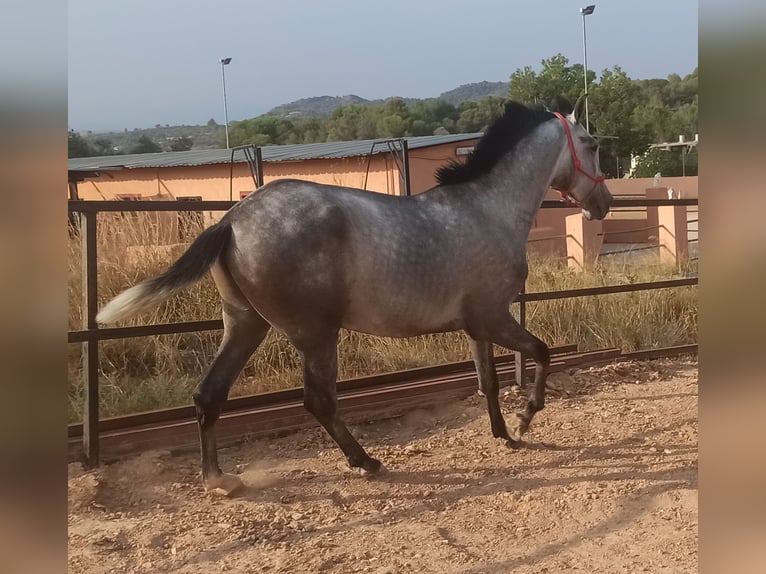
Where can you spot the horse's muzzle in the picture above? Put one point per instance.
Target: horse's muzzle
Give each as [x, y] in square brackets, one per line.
[598, 203]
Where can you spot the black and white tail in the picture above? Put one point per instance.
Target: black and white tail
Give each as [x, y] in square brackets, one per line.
[189, 269]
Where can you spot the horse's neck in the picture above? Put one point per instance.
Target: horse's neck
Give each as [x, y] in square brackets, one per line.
[514, 189]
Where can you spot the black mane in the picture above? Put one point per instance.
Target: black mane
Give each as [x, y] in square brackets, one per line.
[500, 138]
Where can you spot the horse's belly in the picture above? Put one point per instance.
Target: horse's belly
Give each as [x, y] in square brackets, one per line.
[398, 319]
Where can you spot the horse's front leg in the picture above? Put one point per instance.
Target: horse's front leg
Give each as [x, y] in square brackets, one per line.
[505, 331]
[486, 372]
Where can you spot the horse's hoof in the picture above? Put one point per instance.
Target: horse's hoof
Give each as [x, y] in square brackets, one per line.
[514, 444]
[517, 428]
[369, 469]
[223, 484]
[374, 468]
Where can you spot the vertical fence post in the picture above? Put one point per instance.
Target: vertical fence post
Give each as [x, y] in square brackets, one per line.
[673, 234]
[90, 347]
[583, 241]
[258, 167]
[520, 359]
[406, 167]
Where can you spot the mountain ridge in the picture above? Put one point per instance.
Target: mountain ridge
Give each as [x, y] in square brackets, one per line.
[320, 106]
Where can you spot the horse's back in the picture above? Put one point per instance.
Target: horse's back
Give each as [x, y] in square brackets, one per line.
[367, 261]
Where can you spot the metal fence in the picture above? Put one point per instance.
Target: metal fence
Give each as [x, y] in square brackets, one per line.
[85, 214]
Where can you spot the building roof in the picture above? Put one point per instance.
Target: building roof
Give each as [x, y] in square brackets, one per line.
[274, 153]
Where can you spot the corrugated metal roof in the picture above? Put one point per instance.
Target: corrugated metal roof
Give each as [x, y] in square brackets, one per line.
[295, 152]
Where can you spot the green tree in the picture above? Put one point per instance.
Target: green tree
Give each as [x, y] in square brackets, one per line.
[426, 116]
[556, 80]
[354, 122]
[477, 116]
[263, 130]
[78, 146]
[103, 146]
[612, 105]
[145, 145]
[183, 143]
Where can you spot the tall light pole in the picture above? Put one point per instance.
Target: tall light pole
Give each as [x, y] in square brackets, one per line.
[585, 12]
[225, 62]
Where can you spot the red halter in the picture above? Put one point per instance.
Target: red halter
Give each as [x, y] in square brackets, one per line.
[565, 195]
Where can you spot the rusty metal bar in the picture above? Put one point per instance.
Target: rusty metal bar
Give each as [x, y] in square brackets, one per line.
[145, 330]
[90, 433]
[296, 393]
[624, 231]
[631, 249]
[87, 206]
[82, 205]
[607, 289]
[547, 238]
[258, 167]
[620, 202]
[272, 419]
[649, 354]
[406, 167]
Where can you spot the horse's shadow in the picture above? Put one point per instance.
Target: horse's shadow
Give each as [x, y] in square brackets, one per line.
[497, 479]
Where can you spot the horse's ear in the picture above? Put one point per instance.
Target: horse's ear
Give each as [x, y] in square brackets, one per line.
[578, 108]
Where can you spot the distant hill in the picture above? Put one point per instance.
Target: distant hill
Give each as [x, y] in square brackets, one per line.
[475, 91]
[325, 105]
[212, 135]
[317, 106]
[207, 136]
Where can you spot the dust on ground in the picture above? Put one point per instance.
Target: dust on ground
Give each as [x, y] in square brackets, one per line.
[607, 482]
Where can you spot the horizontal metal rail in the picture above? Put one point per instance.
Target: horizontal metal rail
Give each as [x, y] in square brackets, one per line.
[607, 289]
[216, 324]
[87, 206]
[630, 249]
[168, 430]
[144, 330]
[624, 231]
[392, 378]
[548, 238]
[91, 335]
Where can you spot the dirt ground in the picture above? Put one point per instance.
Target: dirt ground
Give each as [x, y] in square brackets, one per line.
[607, 482]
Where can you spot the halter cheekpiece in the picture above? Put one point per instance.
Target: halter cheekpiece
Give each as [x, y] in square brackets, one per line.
[565, 194]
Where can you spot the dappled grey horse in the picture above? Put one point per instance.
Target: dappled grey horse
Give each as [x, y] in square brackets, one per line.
[310, 259]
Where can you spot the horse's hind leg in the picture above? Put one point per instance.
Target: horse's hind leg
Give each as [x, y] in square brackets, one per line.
[509, 334]
[484, 360]
[244, 329]
[320, 372]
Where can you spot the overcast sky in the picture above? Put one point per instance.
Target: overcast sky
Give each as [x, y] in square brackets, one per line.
[146, 62]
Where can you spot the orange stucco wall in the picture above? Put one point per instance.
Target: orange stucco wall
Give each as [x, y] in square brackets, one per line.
[212, 182]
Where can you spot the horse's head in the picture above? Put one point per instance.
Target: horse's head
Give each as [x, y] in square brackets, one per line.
[579, 178]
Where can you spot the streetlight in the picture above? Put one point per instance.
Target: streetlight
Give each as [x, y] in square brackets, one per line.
[585, 12]
[224, 62]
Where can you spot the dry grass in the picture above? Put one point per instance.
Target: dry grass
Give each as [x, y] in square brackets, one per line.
[158, 372]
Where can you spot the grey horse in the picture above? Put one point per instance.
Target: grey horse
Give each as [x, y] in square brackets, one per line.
[310, 259]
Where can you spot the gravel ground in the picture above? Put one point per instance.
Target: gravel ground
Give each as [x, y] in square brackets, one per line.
[607, 482]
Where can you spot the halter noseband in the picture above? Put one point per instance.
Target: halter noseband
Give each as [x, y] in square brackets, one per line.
[565, 194]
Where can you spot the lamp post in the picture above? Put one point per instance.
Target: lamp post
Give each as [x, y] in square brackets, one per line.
[225, 62]
[585, 12]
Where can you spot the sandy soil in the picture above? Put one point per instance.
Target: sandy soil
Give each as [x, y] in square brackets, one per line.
[607, 482]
